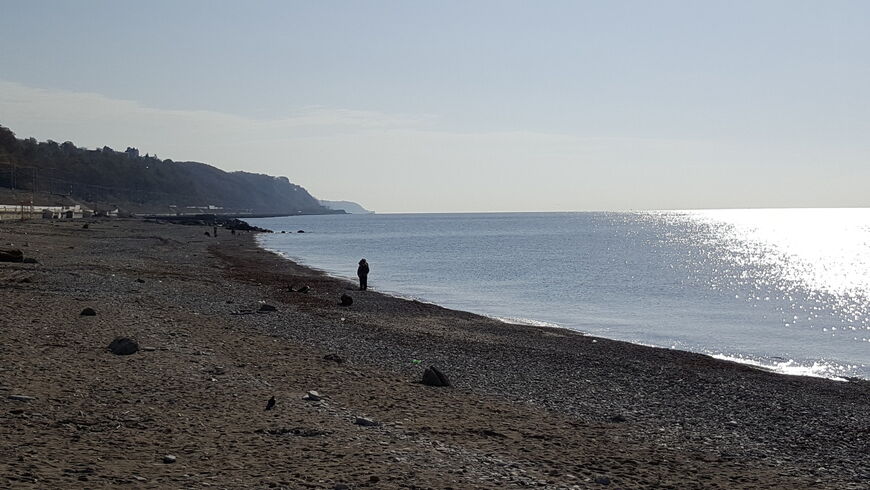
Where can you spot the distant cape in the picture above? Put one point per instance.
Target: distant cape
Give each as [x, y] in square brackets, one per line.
[346, 206]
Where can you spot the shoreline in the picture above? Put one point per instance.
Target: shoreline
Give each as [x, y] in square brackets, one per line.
[530, 407]
[796, 368]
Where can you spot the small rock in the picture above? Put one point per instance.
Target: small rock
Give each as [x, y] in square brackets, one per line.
[85, 226]
[21, 398]
[312, 396]
[374, 479]
[433, 377]
[346, 300]
[169, 459]
[11, 255]
[340, 486]
[140, 280]
[366, 422]
[271, 403]
[149, 349]
[301, 231]
[139, 478]
[618, 418]
[602, 480]
[29, 260]
[124, 346]
[334, 358]
[265, 308]
[88, 312]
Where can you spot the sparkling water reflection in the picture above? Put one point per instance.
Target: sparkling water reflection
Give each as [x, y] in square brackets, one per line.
[787, 289]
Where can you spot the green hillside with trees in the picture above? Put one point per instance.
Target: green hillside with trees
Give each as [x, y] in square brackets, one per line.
[107, 176]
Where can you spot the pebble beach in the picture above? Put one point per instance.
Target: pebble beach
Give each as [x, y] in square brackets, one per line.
[529, 407]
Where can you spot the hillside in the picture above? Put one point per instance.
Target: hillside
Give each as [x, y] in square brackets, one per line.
[126, 179]
[346, 206]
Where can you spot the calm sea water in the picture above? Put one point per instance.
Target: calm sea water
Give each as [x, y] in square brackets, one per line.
[786, 288]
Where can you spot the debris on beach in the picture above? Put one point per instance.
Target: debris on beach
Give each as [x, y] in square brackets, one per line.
[88, 312]
[346, 300]
[124, 346]
[432, 376]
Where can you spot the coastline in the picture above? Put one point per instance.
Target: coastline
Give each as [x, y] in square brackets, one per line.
[819, 368]
[531, 406]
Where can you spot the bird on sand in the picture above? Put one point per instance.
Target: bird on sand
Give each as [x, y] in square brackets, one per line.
[270, 404]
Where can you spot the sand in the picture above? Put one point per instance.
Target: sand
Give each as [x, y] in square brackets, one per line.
[530, 407]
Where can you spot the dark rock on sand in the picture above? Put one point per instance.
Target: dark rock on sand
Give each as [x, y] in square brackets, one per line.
[270, 404]
[366, 422]
[602, 480]
[140, 280]
[85, 226]
[21, 398]
[169, 459]
[434, 377]
[312, 396]
[618, 418]
[346, 300]
[265, 308]
[29, 260]
[334, 358]
[11, 255]
[88, 312]
[124, 346]
[301, 231]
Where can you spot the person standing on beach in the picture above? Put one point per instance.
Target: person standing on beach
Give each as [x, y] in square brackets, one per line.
[363, 272]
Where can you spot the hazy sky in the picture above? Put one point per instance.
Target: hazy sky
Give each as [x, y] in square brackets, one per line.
[466, 105]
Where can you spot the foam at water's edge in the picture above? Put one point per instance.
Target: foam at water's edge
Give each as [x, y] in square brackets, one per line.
[790, 367]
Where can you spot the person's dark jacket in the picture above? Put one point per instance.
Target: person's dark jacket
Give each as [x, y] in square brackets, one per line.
[363, 269]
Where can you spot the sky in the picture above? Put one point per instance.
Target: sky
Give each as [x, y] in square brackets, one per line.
[465, 106]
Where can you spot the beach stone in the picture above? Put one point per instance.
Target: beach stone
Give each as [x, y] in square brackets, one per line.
[169, 459]
[88, 312]
[432, 376]
[346, 300]
[312, 396]
[303, 289]
[602, 480]
[340, 486]
[85, 226]
[334, 358]
[366, 422]
[265, 308]
[21, 398]
[301, 231]
[140, 280]
[11, 255]
[618, 418]
[29, 260]
[123, 346]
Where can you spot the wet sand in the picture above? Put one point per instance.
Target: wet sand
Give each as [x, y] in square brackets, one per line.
[531, 407]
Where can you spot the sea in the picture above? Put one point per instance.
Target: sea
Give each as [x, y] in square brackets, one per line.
[782, 289]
